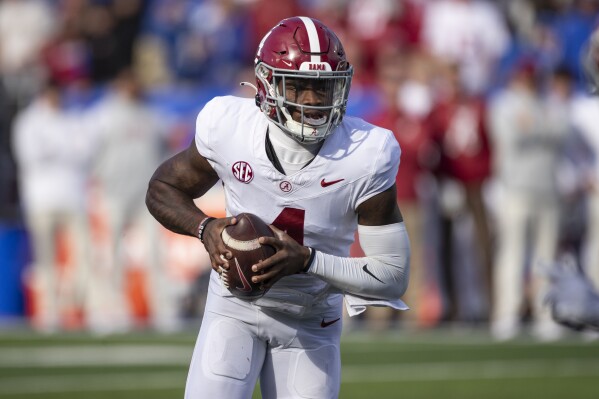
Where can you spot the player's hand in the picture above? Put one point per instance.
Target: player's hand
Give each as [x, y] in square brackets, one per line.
[290, 258]
[213, 242]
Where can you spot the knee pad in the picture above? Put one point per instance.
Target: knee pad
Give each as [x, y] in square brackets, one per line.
[229, 350]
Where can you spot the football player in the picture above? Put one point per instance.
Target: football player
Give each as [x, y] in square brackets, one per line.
[573, 297]
[316, 176]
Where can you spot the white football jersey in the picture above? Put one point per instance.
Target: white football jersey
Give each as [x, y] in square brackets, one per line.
[316, 205]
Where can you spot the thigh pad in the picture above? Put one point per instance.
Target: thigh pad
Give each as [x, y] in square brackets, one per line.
[229, 350]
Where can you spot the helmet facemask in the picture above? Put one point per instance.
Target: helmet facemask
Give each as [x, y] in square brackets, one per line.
[306, 105]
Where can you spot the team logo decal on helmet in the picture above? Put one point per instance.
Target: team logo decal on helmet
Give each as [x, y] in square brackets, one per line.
[302, 52]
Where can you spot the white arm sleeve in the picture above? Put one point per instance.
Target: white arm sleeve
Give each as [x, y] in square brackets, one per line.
[382, 274]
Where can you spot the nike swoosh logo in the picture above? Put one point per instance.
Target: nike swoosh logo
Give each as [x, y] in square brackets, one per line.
[246, 284]
[329, 183]
[324, 324]
[288, 63]
[365, 268]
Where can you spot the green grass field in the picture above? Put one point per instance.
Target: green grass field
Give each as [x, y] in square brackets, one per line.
[433, 364]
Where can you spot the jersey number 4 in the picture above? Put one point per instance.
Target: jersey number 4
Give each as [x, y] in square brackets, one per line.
[291, 220]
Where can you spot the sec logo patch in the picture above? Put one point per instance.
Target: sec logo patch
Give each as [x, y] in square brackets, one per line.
[242, 171]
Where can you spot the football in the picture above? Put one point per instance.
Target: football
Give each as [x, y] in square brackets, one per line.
[242, 240]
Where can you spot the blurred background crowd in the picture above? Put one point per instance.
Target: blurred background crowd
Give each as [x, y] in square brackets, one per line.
[498, 173]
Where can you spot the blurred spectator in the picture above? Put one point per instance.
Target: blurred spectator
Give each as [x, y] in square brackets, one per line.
[53, 155]
[25, 26]
[202, 39]
[371, 19]
[129, 140]
[213, 49]
[459, 125]
[111, 29]
[373, 23]
[573, 26]
[129, 17]
[469, 33]
[403, 81]
[553, 32]
[528, 130]
[410, 21]
[9, 200]
[264, 16]
[165, 20]
[585, 115]
[99, 26]
[66, 56]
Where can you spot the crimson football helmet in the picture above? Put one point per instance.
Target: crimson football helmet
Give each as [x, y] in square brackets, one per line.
[590, 61]
[302, 54]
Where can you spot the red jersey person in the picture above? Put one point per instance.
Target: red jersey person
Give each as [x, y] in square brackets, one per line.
[459, 124]
[403, 80]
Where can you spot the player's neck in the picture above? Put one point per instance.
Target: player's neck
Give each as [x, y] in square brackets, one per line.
[292, 154]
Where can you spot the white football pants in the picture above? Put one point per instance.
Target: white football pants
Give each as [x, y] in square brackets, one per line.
[517, 212]
[239, 342]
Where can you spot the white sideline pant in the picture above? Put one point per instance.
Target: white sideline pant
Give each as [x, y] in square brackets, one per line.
[54, 295]
[517, 213]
